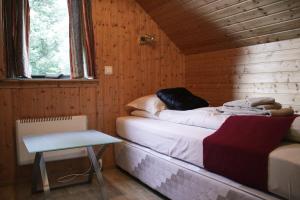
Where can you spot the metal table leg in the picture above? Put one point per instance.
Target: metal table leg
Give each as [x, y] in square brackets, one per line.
[39, 170]
[99, 155]
[44, 175]
[35, 173]
[97, 168]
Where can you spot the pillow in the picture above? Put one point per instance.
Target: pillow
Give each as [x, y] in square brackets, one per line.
[294, 133]
[150, 103]
[181, 99]
[142, 113]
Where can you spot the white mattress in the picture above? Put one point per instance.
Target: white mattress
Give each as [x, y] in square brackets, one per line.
[175, 140]
[179, 180]
[185, 143]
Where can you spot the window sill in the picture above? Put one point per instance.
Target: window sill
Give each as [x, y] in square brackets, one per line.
[42, 83]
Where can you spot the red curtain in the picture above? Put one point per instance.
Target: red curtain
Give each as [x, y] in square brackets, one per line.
[81, 39]
[16, 29]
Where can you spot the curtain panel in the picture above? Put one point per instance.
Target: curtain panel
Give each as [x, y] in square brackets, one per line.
[82, 51]
[16, 30]
[16, 15]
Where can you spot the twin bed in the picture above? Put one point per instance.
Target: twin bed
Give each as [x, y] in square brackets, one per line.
[176, 149]
[166, 151]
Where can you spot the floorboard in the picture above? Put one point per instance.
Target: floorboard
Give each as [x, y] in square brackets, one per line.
[120, 186]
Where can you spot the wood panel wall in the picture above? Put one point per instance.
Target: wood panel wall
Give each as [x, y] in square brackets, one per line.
[137, 70]
[18, 101]
[261, 70]
[2, 57]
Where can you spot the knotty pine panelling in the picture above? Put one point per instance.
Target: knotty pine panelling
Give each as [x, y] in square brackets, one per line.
[261, 70]
[137, 70]
[2, 57]
[32, 101]
[210, 25]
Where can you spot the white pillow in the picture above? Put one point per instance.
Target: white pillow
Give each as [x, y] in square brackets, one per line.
[145, 114]
[150, 103]
[294, 133]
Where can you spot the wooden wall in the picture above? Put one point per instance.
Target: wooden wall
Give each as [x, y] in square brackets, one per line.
[35, 99]
[2, 57]
[271, 69]
[138, 70]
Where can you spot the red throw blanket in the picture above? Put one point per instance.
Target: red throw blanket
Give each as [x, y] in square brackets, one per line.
[240, 148]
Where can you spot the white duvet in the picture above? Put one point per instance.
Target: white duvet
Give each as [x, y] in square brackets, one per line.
[207, 117]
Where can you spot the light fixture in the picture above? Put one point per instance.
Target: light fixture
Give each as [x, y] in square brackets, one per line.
[146, 39]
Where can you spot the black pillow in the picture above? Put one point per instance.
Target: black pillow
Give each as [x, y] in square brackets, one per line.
[180, 99]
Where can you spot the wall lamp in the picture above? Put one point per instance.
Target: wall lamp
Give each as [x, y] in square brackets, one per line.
[146, 39]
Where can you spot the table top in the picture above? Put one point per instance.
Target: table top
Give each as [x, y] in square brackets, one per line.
[67, 140]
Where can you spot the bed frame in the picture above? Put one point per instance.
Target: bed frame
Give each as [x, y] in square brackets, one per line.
[179, 180]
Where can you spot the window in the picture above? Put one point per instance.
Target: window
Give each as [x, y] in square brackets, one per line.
[49, 38]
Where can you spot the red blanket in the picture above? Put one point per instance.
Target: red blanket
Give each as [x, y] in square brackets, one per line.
[240, 148]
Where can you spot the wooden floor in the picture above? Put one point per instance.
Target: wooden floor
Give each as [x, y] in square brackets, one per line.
[120, 186]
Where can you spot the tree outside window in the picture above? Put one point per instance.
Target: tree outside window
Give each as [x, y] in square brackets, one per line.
[49, 37]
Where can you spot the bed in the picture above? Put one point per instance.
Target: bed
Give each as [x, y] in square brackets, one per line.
[167, 157]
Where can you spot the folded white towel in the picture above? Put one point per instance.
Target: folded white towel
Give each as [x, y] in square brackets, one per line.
[275, 106]
[242, 111]
[250, 102]
[282, 112]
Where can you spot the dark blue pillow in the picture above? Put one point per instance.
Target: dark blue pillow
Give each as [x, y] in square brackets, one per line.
[180, 99]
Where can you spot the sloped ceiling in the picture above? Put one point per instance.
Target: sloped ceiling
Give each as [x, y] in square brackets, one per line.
[207, 25]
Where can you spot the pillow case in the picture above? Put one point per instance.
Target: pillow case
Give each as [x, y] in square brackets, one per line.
[150, 103]
[181, 99]
[144, 114]
[294, 133]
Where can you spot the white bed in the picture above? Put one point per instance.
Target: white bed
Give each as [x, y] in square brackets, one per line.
[185, 143]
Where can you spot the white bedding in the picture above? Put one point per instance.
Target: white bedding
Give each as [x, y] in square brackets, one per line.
[185, 143]
[175, 140]
[207, 117]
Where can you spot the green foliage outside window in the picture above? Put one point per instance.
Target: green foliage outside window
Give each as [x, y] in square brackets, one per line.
[49, 37]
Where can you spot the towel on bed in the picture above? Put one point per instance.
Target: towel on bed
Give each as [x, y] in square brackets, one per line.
[242, 111]
[255, 106]
[250, 102]
[240, 148]
[282, 112]
[274, 106]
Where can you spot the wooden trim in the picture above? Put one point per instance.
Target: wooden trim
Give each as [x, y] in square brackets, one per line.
[46, 83]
